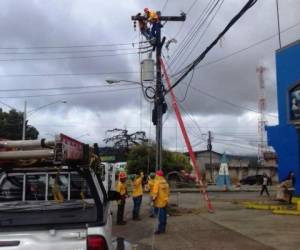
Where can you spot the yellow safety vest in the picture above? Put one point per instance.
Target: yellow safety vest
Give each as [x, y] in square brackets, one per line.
[121, 188]
[161, 192]
[137, 188]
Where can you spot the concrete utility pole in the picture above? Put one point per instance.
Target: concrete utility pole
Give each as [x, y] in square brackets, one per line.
[209, 148]
[159, 101]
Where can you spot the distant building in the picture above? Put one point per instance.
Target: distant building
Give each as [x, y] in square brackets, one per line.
[240, 166]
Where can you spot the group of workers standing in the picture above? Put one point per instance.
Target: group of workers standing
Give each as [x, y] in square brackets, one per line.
[158, 189]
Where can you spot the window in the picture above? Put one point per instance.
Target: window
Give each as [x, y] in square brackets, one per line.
[294, 103]
[79, 188]
[11, 188]
[44, 186]
[35, 187]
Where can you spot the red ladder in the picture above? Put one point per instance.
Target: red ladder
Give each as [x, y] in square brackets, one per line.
[186, 139]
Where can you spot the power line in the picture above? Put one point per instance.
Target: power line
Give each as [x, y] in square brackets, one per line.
[71, 74]
[164, 6]
[71, 46]
[246, 7]
[71, 51]
[68, 87]
[67, 94]
[246, 48]
[204, 31]
[65, 58]
[191, 34]
[227, 102]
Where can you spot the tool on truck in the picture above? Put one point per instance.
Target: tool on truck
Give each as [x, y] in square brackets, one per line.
[52, 196]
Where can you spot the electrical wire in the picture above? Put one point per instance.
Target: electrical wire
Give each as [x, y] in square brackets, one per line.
[71, 74]
[228, 102]
[66, 88]
[187, 88]
[72, 46]
[164, 6]
[182, 24]
[246, 7]
[73, 51]
[191, 34]
[65, 58]
[67, 94]
[204, 32]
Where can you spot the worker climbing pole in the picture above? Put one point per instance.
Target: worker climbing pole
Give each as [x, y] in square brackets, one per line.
[154, 37]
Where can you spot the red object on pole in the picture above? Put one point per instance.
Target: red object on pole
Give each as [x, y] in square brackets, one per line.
[186, 139]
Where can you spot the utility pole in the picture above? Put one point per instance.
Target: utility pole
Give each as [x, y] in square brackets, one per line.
[209, 148]
[24, 121]
[159, 99]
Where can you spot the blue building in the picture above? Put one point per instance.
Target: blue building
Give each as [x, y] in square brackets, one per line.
[285, 136]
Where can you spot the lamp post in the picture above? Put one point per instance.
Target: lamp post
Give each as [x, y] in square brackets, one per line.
[29, 113]
[111, 81]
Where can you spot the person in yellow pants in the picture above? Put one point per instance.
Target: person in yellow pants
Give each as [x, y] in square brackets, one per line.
[137, 195]
[161, 193]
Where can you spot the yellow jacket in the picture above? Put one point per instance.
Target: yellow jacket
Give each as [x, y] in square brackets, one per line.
[121, 188]
[151, 186]
[160, 192]
[137, 188]
[152, 16]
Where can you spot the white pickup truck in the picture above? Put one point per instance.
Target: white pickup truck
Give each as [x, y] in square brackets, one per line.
[54, 207]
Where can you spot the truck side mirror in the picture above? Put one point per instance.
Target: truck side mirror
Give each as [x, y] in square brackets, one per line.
[113, 195]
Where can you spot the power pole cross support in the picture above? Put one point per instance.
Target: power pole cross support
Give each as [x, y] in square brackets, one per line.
[159, 103]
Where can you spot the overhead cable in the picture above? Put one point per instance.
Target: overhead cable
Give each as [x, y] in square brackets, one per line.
[246, 7]
[67, 94]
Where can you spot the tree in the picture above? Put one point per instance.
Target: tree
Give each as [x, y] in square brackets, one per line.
[122, 139]
[142, 158]
[11, 124]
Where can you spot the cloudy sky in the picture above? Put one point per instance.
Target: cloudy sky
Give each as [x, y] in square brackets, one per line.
[64, 50]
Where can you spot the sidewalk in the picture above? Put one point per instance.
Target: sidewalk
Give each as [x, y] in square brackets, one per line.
[213, 188]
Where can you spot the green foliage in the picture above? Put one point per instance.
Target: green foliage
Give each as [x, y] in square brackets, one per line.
[11, 126]
[138, 158]
[141, 156]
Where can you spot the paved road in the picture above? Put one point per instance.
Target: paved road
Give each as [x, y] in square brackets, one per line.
[230, 227]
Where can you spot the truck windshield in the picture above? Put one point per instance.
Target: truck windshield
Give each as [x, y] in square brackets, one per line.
[52, 197]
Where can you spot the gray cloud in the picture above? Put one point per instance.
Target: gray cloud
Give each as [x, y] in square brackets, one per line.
[64, 23]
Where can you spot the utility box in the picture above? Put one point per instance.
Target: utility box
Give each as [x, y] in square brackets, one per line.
[147, 69]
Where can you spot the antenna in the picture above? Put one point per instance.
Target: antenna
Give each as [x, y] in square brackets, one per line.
[262, 147]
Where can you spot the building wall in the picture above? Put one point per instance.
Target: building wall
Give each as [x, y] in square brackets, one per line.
[285, 137]
[239, 167]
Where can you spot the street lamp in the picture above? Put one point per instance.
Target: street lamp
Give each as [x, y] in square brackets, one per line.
[111, 81]
[29, 113]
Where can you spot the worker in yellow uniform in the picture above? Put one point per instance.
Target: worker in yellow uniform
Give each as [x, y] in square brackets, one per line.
[121, 188]
[153, 19]
[150, 185]
[137, 195]
[161, 199]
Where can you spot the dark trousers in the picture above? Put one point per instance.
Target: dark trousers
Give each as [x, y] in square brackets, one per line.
[264, 188]
[120, 212]
[154, 29]
[162, 219]
[137, 201]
